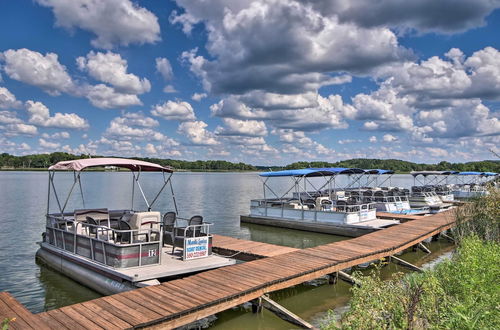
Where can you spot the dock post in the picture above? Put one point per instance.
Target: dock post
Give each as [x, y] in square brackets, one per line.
[348, 278]
[333, 278]
[256, 305]
[447, 237]
[284, 313]
[406, 264]
[424, 248]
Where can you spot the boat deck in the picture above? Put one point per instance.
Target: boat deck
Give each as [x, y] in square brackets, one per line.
[171, 265]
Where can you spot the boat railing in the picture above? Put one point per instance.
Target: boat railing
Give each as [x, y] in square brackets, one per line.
[303, 208]
[105, 245]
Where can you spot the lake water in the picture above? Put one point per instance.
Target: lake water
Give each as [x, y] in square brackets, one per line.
[220, 197]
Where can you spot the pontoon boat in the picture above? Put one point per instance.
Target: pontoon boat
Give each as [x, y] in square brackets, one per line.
[316, 204]
[112, 251]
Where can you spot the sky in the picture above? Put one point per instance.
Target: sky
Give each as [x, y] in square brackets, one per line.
[266, 82]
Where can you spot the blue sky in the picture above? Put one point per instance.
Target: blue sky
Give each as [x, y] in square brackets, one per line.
[263, 82]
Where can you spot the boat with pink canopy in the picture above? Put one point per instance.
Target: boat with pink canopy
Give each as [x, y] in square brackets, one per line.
[115, 250]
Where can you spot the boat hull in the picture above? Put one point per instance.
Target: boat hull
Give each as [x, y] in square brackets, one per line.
[98, 281]
[312, 226]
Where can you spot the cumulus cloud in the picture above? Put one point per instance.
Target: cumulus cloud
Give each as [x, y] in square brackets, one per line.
[461, 118]
[301, 50]
[136, 127]
[328, 112]
[33, 68]
[445, 16]
[164, 68]
[48, 145]
[112, 69]
[56, 136]
[389, 138]
[8, 100]
[298, 143]
[169, 89]
[435, 80]
[9, 117]
[40, 116]
[242, 128]
[20, 129]
[198, 96]
[197, 133]
[106, 97]
[114, 22]
[174, 110]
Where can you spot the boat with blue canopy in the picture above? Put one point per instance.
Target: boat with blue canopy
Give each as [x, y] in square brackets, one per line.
[471, 184]
[313, 201]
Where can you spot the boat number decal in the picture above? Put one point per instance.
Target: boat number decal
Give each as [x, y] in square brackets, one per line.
[152, 253]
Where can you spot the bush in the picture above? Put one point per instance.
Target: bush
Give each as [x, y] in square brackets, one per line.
[461, 293]
[481, 217]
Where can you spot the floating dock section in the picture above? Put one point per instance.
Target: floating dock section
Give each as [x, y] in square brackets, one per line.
[180, 302]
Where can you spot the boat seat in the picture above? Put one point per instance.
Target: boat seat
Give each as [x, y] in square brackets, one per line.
[99, 215]
[144, 221]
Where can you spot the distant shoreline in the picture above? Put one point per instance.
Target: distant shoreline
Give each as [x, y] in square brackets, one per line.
[35, 169]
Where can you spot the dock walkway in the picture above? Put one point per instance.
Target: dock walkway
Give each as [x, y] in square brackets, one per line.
[179, 302]
[246, 250]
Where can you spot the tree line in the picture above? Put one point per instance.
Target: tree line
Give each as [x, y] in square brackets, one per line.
[402, 166]
[43, 161]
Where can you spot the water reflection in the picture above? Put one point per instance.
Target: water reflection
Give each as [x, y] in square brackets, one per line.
[289, 237]
[61, 290]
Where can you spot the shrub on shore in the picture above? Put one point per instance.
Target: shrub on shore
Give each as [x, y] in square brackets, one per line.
[460, 293]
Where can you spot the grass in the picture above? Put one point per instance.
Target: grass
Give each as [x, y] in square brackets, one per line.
[460, 293]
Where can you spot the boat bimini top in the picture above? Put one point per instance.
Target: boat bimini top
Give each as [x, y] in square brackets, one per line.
[314, 172]
[135, 166]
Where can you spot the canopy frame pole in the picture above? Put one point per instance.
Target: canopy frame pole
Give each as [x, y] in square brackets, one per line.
[165, 182]
[173, 195]
[48, 195]
[75, 180]
[388, 178]
[356, 179]
[312, 185]
[55, 194]
[81, 190]
[282, 196]
[269, 188]
[133, 190]
[140, 188]
[327, 183]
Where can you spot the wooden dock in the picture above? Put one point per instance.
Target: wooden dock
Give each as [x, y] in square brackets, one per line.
[246, 250]
[179, 302]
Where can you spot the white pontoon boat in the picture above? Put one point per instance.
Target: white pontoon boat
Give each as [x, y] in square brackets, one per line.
[472, 184]
[324, 208]
[112, 251]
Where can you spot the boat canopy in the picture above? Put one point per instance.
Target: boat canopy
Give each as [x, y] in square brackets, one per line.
[131, 164]
[379, 171]
[312, 172]
[489, 174]
[426, 173]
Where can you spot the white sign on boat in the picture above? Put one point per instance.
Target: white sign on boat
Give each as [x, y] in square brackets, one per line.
[195, 247]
